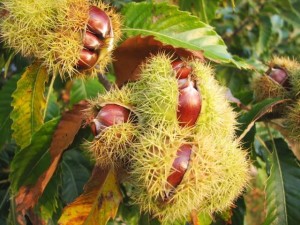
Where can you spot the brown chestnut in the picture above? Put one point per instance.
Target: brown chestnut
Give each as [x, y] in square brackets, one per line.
[91, 41]
[87, 59]
[99, 22]
[279, 75]
[109, 115]
[182, 69]
[179, 167]
[189, 104]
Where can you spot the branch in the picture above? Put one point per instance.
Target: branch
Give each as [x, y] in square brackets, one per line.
[104, 81]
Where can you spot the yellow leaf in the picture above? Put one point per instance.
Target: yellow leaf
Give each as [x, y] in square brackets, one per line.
[28, 104]
[98, 203]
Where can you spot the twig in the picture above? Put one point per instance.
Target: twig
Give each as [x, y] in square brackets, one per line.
[103, 80]
[4, 181]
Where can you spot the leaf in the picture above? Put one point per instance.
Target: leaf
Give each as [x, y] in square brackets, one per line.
[53, 109]
[287, 11]
[97, 204]
[258, 110]
[171, 26]
[265, 32]
[85, 89]
[204, 219]
[282, 189]
[63, 136]
[75, 173]
[132, 52]
[28, 104]
[5, 109]
[30, 162]
[204, 9]
[293, 144]
[49, 201]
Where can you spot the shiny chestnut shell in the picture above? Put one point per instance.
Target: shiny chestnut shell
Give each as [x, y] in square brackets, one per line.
[180, 165]
[182, 69]
[99, 22]
[87, 60]
[91, 41]
[279, 75]
[189, 104]
[111, 114]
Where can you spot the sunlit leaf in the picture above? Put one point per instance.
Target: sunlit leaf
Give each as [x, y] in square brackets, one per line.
[98, 203]
[177, 28]
[283, 196]
[28, 104]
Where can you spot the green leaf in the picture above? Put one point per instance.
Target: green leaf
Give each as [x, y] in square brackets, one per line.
[49, 201]
[28, 104]
[84, 89]
[258, 110]
[180, 29]
[282, 190]
[29, 163]
[75, 173]
[287, 11]
[53, 109]
[204, 219]
[5, 108]
[265, 32]
[204, 9]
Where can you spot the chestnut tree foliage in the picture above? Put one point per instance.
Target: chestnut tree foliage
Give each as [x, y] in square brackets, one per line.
[48, 177]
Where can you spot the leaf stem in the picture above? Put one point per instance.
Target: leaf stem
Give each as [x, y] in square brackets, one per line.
[49, 93]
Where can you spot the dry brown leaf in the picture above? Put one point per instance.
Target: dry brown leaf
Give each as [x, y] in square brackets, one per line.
[98, 203]
[63, 136]
[132, 52]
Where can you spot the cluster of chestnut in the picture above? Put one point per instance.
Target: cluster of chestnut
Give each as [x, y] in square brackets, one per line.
[71, 37]
[173, 132]
[99, 27]
[282, 80]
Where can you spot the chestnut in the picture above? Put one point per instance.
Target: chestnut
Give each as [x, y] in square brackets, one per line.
[91, 41]
[179, 167]
[189, 104]
[279, 75]
[109, 115]
[99, 22]
[87, 59]
[182, 69]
